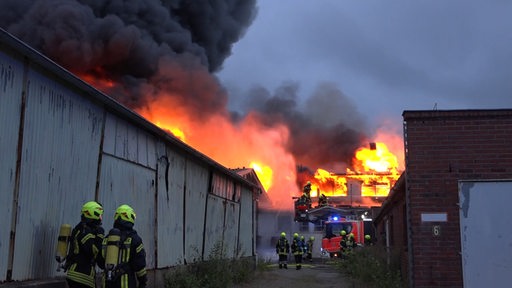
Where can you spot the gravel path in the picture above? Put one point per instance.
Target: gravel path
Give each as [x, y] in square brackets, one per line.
[318, 274]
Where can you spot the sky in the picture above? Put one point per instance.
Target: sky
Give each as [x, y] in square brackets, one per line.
[384, 56]
[290, 84]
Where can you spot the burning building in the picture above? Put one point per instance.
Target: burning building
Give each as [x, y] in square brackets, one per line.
[158, 58]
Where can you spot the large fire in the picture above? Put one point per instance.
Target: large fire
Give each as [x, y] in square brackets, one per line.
[375, 168]
[375, 172]
[251, 144]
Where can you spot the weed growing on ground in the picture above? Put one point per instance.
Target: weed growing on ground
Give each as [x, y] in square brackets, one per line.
[373, 267]
[217, 271]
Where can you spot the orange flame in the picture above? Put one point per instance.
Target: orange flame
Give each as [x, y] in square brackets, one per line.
[250, 144]
[264, 173]
[376, 171]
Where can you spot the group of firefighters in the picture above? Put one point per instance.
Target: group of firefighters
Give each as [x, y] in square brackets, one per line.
[305, 198]
[120, 254]
[300, 248]
[304, 249]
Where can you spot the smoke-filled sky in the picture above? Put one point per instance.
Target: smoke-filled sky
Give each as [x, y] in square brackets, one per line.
[286, 83]
[384, 56]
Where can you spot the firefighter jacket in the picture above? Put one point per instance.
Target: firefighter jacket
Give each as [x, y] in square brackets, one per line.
[350, 243]
[296, 246]
[309, 245]
[132, 258]
[343, 242]
[84, 249]
[282, 246]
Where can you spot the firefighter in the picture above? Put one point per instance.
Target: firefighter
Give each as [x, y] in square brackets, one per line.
[309, 246]
[350, 244]
[131, 266]
[304, 246]
[307, 193]
[283, 249]
[343, 240]
[368, 240]
[84, 247]
[297, 251]
[322, 200]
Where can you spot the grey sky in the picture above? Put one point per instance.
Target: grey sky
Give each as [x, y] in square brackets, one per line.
[385, 56]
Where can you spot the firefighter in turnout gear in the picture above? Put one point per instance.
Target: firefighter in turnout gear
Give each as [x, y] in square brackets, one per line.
[84, 247]
[297, 251]
[368, 240]
[130, 269]
[307, 194]
[343, 241]
[309, 245]
[350, 244]
[283, 249]
[322, 200]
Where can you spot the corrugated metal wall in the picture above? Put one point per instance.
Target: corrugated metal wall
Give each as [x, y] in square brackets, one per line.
[76, 145]
[60, 148]
[11, 77]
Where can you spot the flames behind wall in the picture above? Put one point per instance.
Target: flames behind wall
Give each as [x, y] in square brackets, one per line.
[158, 58]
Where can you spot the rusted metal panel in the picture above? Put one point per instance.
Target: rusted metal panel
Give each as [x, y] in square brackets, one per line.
[171, 186]
[129, 142]
[123, 182]
[11, 75]
[214, 228]
[196, 188]
[247, 230]
[231, 229]
[61, 140]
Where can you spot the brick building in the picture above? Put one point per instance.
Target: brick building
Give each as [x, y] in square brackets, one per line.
[420, 218]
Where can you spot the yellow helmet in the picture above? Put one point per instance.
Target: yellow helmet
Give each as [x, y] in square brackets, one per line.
[343, 232]
[312, 238]
[367, 237]
[283, 234]
[126, 213]
[92, 210]
[295, 235]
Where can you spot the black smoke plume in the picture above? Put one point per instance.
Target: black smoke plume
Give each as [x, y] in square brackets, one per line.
[146, 47]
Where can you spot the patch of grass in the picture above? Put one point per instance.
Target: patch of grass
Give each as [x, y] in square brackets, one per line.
[373, 267]
[217, 271]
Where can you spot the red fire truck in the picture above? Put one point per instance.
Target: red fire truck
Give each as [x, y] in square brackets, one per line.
[331, 239]
[333, 219]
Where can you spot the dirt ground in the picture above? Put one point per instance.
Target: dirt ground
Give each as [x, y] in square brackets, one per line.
[318, 274]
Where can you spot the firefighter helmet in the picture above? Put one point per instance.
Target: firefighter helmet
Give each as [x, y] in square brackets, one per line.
[92, 210]
[302, 237]
[295, 235]
[126, 213]
[351, 235]
[367, 237]
[312, 238]
[343, 232]
[283, 234]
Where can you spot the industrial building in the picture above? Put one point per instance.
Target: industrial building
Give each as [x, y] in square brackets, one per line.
[447, 215]
[64, 143]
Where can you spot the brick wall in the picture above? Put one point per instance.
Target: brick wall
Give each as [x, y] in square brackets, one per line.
[443, 147]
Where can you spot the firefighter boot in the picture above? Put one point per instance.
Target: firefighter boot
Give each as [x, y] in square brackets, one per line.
[285, 266]
[280, 266]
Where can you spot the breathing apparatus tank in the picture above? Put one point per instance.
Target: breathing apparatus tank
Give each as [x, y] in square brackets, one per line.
[62, 245]
[112, 253]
